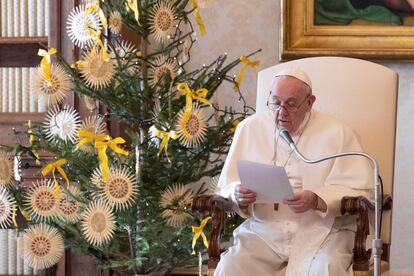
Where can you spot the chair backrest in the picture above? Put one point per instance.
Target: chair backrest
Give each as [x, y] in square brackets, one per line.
[361, 94]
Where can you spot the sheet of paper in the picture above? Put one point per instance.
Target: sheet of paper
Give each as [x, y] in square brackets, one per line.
[269, 182]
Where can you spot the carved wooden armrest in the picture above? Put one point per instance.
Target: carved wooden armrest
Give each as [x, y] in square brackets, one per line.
[360, 206]
[216, 207]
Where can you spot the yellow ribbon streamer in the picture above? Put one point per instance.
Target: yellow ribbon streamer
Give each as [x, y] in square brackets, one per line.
[103, 159]
[234, 123]
[14, 216]
[25, 214]
[32, 139]
[133, 5]
[165, 135]
[199, 95]
[101, 146]
[96, 36]
[45, 63]
[198, 231]
[198, 17]
[94, 7]
[56, 166]
[246, 63]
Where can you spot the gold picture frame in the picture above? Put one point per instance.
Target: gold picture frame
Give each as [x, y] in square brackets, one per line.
[301, 38]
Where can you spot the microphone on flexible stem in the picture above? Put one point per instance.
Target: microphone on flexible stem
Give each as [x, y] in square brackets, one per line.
[376, 242]
[286, 136]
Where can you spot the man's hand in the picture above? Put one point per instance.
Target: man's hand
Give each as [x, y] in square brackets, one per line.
[301, 202]
[244, 196]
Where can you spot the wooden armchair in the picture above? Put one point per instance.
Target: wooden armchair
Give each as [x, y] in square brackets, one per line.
[363, 95]
[218, 206]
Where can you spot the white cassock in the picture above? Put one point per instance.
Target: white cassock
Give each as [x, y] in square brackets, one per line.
[314, 242]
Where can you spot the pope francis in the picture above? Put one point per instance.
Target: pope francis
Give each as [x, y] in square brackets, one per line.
[305, 234]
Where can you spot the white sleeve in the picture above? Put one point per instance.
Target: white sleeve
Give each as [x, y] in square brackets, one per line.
[349, 176]
[229, 177]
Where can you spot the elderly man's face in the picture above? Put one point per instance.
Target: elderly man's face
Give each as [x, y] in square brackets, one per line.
[294, 94]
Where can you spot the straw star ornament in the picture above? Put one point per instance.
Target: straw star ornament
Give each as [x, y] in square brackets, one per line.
[176, 201]
[43, 246]
[68, 207]
[41, 201]
[98, 223]
[115, 22]
[79, 24]
[162, 20]
[6, 170]
[6, 208]
[127, 54]
[96, 71]
[62, 124]
[120, 189]
[161, 69]
[191, 127]
[54, 91]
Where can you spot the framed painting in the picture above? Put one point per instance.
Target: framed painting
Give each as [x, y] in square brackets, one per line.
[368, 29]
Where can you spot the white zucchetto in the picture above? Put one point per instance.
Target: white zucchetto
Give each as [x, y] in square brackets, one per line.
[296, 73]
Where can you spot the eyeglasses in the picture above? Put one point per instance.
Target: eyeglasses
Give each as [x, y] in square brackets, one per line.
[290, 106]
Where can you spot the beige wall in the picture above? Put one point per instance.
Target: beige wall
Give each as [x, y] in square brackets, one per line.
[240, 27]
[402, 254]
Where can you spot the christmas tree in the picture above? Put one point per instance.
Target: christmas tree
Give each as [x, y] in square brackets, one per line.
[129, 206]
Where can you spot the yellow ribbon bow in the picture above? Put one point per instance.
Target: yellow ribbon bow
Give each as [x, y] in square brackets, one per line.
[101, 146]
[45, 63]
[133, 5]
[234, 123]
[165, 135]
[56, 166]
[199, 95]
[102, 142]
[198, 17]
[198, 231]
[246, 63]
[32, 139]
[87, 137]
[77, 65]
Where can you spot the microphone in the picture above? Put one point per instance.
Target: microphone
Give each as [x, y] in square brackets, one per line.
[376, 242]
[286, 136]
